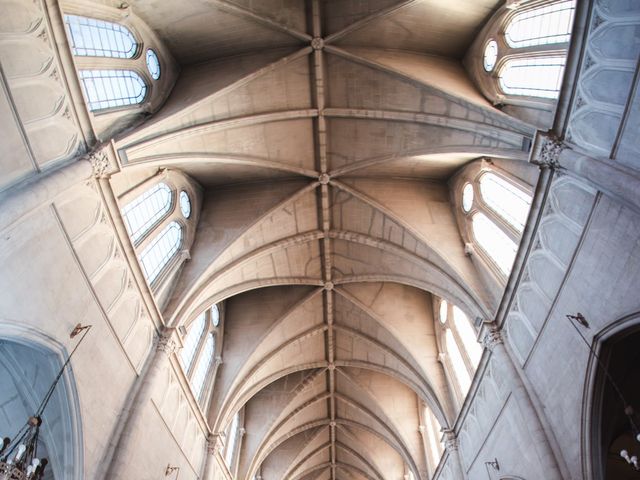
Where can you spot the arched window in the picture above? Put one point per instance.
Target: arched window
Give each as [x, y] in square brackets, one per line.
[199, 352]
[112, 88]
[505, 199]
[432, 432]
[467, 335]
[461, 374]
[203, 366]
[97, 38]
[533, 76]
[231, 440]
[541, 26]
[190, 347]
[142, 213]
[494, 242]
[158, 253]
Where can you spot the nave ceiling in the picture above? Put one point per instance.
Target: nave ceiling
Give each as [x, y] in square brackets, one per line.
[323, 134]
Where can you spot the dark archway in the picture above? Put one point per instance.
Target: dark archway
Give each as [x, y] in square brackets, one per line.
[615, 389]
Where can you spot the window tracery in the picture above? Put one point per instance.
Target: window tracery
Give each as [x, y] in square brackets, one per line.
[161, 250]
[525, 57]
[141, 214]
[199, 351]
[459, 344]
[125, 82]
[153, 215]
[98, 38]
[112, 88]
[496, 216]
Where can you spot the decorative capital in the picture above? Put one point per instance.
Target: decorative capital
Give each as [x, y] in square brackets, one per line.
[492, 338]
[215, 443]
[103, 161]
[546, 150]
[450, 440]
[99, 164]
[167, 342]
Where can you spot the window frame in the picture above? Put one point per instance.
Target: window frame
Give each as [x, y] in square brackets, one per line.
[121, 27]
[217, 332]
[115, 73]
[445, 356]
[160, 220]
[171, 259]
[479, 205]
[490, 81]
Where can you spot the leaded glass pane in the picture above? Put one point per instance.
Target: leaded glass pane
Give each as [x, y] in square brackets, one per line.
[112, 88]
[457, 362]
[505, 199]
[541, 26]
[146, 210]
[535, 77]
[158, 253]
[467, 334]
[495, 243]
[97, 38]
[203, 366]
[196, 330]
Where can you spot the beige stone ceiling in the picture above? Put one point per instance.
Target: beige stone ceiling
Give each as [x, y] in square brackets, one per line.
[326, 223]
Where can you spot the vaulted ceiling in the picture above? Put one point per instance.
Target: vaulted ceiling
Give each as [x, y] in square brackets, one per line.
[323, 134]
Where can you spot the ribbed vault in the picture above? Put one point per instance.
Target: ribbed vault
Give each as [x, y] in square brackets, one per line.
[323, 133]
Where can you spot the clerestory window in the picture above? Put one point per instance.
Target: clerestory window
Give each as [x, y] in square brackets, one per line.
[496, 215]
[199, 352]
[232, 434]
[97, 38]
[460, 344]
[494, 242]
[160, 251]
[505, 199]
[143, 212]
[112, 88]
[541, 26]
[535, 76]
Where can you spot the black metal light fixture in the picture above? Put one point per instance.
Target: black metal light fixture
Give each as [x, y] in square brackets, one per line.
[629, 412]
[19, 457]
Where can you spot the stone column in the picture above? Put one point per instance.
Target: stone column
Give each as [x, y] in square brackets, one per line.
[451, 447]
[494, 341]
[129, 441]
[214, 445]
[615, 179]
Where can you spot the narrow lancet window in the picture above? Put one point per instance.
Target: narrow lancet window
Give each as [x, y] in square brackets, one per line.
[112, 88]
[142, 213]
[190, 347]
[97, 38]
[200, 374]
[158, 253]
[232, 438]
